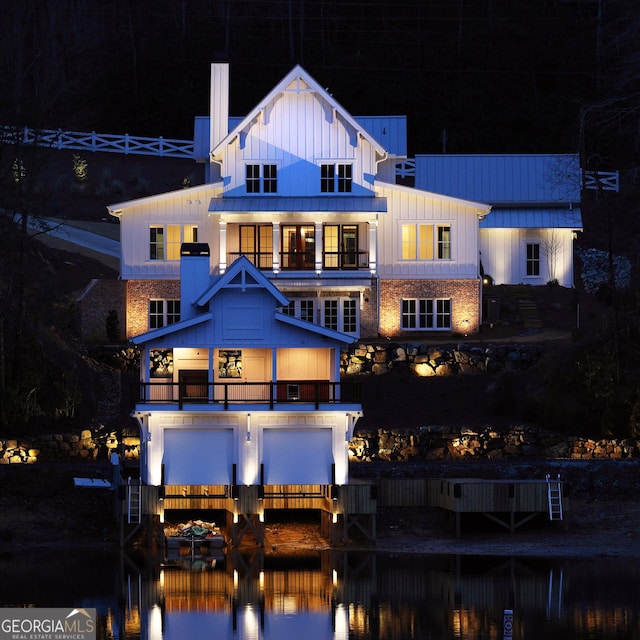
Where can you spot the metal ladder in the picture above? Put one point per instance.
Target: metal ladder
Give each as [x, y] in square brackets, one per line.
[554, 488]
[134, 503]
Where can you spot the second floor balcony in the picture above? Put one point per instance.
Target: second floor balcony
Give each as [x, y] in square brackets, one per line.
[304, 260]
[235, 396]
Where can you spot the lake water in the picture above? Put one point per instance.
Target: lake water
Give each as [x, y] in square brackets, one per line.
[334, 595]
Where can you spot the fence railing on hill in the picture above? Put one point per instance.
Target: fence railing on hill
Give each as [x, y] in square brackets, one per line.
[124, 143]
[104, 142]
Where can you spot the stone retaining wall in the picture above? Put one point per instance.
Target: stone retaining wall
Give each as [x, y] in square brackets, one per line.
[85, 444]
[441, 443]
[424, 360]
[424, 443]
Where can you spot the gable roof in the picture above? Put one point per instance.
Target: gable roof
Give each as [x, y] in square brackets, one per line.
[389, 131]
[244, 275]
[298, 80]
[241, 274]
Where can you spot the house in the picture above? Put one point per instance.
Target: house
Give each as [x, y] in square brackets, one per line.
[307, 193]
[535, 210]
[238, 393]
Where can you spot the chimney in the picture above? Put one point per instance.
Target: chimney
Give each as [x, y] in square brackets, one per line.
[219, 109]
[194, 275]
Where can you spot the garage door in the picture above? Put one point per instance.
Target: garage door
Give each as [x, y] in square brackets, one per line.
[292, 456]
[198, 456]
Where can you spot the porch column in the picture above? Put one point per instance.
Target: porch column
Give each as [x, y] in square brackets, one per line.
[223, 245]
[319, 244]
[276, 246]
[373, 245]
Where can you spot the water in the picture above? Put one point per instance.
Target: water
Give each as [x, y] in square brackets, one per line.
[334, 595]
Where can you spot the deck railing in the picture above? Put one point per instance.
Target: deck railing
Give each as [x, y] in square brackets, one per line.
[228, 395]
[292, 261]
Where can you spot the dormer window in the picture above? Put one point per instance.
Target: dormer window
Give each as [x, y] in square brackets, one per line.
[261, 178]
[336, 178]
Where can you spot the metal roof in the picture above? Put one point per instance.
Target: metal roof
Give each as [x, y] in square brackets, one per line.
[339, 204]
[533, 218]
[389, 131]
[502, 178]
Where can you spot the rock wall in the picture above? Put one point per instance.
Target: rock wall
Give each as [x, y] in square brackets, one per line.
[441, 443]
[86, 444]
[425, 360]
[390, 445]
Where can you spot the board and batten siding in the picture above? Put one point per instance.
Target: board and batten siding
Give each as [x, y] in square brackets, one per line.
[184, 207]
[408, 206]
[504, 255]
[298, 133]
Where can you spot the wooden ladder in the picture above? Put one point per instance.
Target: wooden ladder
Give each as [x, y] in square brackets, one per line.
[554, 488]
[134, 503]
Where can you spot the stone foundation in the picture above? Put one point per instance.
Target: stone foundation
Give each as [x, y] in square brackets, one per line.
[424, 360]
[390, 445]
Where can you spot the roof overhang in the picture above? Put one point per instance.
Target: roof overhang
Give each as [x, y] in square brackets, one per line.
[283, 204]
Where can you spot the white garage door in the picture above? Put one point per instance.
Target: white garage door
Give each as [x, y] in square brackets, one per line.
[293, 456]
[198, 456]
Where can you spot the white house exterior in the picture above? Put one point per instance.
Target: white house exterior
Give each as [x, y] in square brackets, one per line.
[307, 193]
[535, 200]
[238, 393]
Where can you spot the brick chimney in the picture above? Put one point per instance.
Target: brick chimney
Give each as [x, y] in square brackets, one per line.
[194, 276]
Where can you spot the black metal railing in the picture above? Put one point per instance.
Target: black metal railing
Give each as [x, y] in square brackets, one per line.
[230, 394]
[305, 261]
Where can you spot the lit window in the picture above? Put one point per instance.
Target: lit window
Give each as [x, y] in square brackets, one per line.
[163, 313]
[533, 259]
[165, 240]
[423, 314]
[417, 241]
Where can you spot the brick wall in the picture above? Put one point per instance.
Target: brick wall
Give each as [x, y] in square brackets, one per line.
[93, 307]
[139, 292]
[464, 295]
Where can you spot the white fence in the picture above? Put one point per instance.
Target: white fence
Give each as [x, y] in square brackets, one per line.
[104, 142]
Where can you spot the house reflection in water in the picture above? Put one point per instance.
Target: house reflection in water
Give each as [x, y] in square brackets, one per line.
[335, 595]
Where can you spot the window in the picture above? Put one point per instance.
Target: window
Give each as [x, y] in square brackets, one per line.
[330, 318]
[337, 177]
[163, 313]
[340, 246]
[533, 259]
[267, 183]
[425, 314]
[165, 240]
[340, 314]
[298, 247]
[349, 316]
[306, 310]
[256, 242]
[417, 242]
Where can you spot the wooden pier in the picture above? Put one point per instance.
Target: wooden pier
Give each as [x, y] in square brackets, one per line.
[347, 511]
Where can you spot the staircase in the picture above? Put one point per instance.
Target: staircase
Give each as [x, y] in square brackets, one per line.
[554, 489]
[529, 313]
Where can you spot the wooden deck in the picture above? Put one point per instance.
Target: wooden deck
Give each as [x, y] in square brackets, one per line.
[352, 509]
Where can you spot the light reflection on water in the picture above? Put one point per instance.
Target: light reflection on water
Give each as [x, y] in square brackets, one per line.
[335, 595]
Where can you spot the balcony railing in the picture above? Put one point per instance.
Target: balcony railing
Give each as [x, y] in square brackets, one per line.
[228, 394]
[305, 261]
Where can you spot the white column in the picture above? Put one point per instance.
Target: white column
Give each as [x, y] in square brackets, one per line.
[223, 245]
[319, 241]
[276, 246]
[373, 246]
